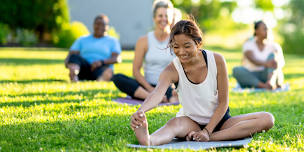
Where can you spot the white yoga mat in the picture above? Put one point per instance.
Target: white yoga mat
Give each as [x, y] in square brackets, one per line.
[176, 144]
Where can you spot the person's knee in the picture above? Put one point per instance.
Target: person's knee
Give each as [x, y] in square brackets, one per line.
[117, 78]
[236, 71]
[270, 57]
[73, 66]
[268, 120]
[107, 75]
[174, 123]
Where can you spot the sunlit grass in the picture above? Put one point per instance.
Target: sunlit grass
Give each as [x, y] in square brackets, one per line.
[40, 110]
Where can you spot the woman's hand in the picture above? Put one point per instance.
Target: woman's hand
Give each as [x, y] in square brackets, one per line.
[138, 119]
[201, 135]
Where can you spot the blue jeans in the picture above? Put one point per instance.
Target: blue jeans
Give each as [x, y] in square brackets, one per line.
[248, 79]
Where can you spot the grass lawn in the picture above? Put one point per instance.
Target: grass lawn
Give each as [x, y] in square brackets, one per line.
[40, 110]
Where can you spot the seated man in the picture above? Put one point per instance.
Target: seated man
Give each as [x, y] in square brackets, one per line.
[263, 62]
[92, 57]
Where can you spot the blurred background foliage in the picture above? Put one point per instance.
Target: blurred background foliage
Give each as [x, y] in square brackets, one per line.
[33, 22]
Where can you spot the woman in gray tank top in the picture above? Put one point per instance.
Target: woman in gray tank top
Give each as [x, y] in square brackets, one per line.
[152, 53]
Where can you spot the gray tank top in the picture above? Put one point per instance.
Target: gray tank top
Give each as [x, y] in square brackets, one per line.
[157, 58]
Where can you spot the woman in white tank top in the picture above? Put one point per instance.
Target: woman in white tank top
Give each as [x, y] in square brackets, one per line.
[203, 93]
[152, 54]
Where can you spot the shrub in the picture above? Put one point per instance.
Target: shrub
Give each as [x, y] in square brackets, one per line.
[42, 16]
[293, 42]
[4, 31]
[69, 33]
[112, 32]
[26, 37]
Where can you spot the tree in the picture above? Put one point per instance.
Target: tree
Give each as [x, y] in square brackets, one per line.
[43, 16]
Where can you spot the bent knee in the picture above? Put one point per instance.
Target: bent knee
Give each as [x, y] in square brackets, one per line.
[107, 75]
[237, 71]
[268, 120]
[174, 122]
[117, 77]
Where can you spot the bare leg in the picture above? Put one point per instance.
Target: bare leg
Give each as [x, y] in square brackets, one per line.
[176, 127]
[74, 71]
[174, 97]
[244, 126]
[141, 93]
[106, 75]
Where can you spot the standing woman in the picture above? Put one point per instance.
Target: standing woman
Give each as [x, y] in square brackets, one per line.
[152, 53]
[263, 62]
[203, 93]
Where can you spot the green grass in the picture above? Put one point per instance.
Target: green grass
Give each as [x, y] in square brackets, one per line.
[40, 110]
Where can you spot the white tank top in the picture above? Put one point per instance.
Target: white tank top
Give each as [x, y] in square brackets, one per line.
[157, 58]
[198, 101]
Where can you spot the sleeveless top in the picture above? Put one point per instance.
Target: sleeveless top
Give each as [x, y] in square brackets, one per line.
[156, 59]
[198, 101]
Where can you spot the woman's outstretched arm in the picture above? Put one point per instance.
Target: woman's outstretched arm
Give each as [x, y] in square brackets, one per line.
[168, 76]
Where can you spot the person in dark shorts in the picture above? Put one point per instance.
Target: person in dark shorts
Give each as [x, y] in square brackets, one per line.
[203, 93]
[92, 57]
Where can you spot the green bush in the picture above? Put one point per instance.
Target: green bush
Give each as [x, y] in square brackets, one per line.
[293, 42]
[292, 29]
[69, 33]
[26, 37]
[4, 32]
[112, 32]
[42, 16]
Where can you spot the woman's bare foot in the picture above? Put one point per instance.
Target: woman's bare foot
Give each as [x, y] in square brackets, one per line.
[142, 132]
[265, 86]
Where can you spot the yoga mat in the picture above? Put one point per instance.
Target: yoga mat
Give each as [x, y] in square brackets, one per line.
[177, 144]
[238, 89]
[130, 101]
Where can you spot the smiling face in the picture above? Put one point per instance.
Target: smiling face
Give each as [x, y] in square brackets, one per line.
[100, 27]
[163, 18]
[184, 47]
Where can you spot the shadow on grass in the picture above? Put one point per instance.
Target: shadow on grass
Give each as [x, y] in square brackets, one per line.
[30, 61]
[220, 48]
[38, 102]
[127, 61]
[45, 49]
[94, 133]
[32, 81]
[293, 75]
[112, 132]
[87, 95]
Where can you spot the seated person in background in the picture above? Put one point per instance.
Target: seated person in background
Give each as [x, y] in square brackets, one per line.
[92, 57]
[262, 63]
[152, 52]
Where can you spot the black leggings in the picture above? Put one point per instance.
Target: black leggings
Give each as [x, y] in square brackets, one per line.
[129, 85]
